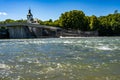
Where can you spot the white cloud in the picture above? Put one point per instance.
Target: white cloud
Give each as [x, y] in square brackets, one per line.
[3, 13]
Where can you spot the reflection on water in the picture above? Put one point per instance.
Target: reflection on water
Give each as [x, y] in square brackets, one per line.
[60, 59]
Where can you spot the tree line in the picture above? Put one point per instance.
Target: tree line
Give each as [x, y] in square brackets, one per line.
[77, 20]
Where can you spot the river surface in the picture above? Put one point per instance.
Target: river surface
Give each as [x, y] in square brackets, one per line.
[60, 59]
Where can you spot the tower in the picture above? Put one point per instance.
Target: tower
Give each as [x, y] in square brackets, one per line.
[30, 17]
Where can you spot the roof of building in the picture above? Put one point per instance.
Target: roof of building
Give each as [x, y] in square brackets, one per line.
[29, 13]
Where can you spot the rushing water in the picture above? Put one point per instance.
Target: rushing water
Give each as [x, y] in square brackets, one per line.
[60, 59]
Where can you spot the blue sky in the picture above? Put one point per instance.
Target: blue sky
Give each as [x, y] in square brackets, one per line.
[52, 9]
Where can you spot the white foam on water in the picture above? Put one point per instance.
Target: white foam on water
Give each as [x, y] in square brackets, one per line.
[59, 65]
[68, 42]
[4, 67]
[78, 58]
[70, 37]
[4, 70]
[104, 48]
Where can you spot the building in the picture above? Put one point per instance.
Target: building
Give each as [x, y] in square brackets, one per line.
[30, 18]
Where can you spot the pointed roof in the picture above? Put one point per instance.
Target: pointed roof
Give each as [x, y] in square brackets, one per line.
[29, 12]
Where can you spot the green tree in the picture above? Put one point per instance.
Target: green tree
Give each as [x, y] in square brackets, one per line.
[72, 19]
[56, 23]
[48, 22]
[22, 21]
[94, 23]
[115, 23]
[9, 21]
[87, 23]
[109, 25]
[105, 28]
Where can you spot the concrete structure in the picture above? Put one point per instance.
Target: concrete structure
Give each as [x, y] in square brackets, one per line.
[78, 33]
[30, 18]
[28, 30]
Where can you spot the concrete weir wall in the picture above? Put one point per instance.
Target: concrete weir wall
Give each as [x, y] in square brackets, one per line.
[17, 32]
[35, 32]
[27, 30]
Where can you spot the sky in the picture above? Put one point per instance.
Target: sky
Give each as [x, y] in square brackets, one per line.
[52, 9]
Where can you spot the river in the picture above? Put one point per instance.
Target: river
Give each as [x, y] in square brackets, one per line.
[93, 58]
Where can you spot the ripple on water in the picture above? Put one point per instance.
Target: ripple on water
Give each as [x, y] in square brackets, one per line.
[4, 70]
[104, 48]
[60, 59]
[4, 66]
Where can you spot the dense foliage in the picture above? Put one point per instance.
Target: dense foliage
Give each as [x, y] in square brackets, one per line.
[110, 25]
[76, 20]
[12, 21]
[73, 19]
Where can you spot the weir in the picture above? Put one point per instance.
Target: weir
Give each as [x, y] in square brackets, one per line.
[28, 30]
